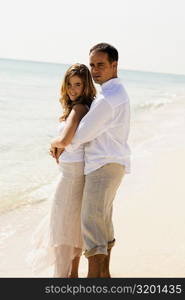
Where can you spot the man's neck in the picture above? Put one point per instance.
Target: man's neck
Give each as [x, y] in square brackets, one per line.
[109, 79]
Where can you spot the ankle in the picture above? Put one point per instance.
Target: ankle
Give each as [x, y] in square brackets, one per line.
[96, 263]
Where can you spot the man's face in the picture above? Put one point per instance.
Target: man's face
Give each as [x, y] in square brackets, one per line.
[101, 68]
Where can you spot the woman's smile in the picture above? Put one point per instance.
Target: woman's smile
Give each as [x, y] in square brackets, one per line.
[75, 87]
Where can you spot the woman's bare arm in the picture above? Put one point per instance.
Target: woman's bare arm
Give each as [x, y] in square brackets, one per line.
[73, 120]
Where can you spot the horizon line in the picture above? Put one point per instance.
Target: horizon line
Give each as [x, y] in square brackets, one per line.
[60, 63]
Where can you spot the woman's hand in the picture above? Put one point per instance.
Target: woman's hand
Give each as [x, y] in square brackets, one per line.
[58, 153]
[52, 151]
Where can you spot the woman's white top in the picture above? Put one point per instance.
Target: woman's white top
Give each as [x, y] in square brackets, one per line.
[72, 156]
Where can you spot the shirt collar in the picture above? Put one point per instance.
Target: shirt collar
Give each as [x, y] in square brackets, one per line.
[108, 84]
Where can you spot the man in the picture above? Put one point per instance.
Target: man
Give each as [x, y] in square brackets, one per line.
[104, 130]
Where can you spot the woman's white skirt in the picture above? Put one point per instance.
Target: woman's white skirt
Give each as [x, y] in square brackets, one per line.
[57, 239]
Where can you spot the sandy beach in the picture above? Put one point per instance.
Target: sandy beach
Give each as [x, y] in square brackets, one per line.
[148, 218]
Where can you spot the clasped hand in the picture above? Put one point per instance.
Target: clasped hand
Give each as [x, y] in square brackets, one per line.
[55, 153]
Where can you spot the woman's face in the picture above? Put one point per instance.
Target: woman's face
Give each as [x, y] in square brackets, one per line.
[75, 87]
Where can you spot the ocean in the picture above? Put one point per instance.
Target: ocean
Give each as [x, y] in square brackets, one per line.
[29, 112]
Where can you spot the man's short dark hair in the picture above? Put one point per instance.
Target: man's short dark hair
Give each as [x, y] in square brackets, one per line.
[106, 48]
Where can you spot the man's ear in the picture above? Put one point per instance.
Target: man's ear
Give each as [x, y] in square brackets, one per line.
[115, 65]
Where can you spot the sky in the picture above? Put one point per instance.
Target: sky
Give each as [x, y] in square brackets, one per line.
[149, 34]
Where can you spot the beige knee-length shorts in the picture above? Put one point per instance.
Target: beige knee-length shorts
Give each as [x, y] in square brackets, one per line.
[96, 215]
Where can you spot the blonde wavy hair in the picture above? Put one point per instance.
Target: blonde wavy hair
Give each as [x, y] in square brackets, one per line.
[88, 94]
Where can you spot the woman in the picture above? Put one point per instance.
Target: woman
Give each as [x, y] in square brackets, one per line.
[61, 243]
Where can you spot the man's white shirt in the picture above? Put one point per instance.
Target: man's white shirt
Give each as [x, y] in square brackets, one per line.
[105, 128]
